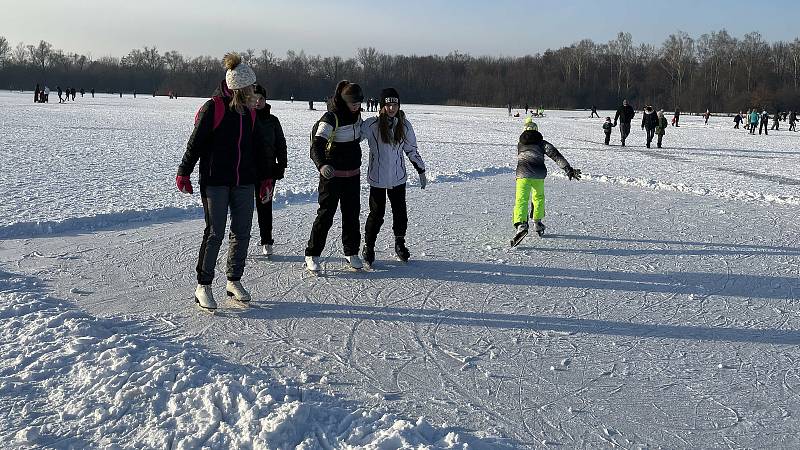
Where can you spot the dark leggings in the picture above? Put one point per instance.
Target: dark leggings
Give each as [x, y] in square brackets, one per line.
[377, 210]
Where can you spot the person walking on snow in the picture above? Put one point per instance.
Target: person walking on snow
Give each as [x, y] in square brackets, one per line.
[707, 115]
[737, 120]
[649, 123]
[391, 138]
[676, 117]
[764, 123]
[776, 120]
[661, 128]
[753, 121]
[792, 121]
[226, 140]
[274, 139]
[607, 126]
[594, 113]
[530, 175]
[624, 115]
[336, 152]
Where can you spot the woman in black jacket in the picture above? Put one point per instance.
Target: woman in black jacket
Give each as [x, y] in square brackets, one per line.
[274, 139]
[227, 143]
[336, 151]
[649, 123]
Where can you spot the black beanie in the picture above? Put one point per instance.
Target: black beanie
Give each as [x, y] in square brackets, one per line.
[352, 93]
[389, 95]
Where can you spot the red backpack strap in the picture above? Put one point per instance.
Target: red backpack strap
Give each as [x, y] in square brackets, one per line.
[219, 110]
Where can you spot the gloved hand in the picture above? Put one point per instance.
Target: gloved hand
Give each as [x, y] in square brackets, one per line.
[266, 190]
[573, 174]
[615, 123]
[279, 173]
[184, 184]
[326, 171]
[423, 180]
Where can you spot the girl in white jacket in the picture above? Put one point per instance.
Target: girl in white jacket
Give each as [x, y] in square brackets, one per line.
[390, 135]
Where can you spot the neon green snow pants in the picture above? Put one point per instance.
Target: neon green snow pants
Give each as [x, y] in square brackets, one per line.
[524, 188]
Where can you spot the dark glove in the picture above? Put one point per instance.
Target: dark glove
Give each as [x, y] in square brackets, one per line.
[279, 173]
[573, 174]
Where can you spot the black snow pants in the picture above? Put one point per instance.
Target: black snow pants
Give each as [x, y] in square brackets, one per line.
[264, 212]
[650, 133]
[624, 131]
[608, 138]
[763, 126]
[332, 192]
[377, 209]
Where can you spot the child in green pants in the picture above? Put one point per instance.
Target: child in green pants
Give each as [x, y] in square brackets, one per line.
[530, 174]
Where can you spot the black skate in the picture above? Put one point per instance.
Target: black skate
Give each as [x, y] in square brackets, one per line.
[539, 228]
[522, 231]
[368, 255]
[400, 250]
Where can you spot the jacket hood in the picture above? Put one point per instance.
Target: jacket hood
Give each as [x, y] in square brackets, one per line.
[265, 111]
[529, 137]
[223, 90]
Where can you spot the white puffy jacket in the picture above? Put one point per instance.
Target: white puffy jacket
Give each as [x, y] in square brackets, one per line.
[387, 167]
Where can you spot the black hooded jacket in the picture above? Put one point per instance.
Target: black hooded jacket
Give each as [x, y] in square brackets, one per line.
[233, 154]
[650, 120]
[624, 114]
[274, 142]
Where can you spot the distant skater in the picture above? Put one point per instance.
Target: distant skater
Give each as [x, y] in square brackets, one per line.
[594, 112]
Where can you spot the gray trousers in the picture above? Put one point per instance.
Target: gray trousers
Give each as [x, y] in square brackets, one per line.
[216, 202]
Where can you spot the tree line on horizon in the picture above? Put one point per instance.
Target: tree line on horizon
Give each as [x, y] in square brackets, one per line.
[715, 71]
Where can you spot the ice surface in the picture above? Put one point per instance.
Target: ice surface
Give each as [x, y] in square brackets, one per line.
[660, 311]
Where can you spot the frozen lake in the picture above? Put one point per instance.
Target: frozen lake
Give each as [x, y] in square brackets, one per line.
[661, 310]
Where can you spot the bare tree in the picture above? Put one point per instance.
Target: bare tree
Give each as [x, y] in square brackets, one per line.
[41, 55]
[20, 54]
[794, 53]
[677, 55]
[754, 51]
[5, 50]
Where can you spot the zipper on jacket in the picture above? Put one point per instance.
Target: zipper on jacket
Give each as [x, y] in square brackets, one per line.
[239, 147]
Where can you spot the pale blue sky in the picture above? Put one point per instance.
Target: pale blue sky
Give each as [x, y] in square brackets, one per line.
[339, 27]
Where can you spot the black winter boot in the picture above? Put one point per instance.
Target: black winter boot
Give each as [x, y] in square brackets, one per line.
[368, 254]
[400, 248]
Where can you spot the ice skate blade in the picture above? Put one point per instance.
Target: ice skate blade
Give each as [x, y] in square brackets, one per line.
[518, 238]
[203, 308]
[232, 296]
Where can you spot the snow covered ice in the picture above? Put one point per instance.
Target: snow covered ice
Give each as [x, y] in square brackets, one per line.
[660, 310]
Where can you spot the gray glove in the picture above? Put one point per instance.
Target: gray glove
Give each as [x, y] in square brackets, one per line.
[423, 180]
[326, 171]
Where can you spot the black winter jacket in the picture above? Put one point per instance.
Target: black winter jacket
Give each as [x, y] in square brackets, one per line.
[231, 155]
[531, 150]
[274, 142]
[625, 114]
[650, 120]
[345, 153]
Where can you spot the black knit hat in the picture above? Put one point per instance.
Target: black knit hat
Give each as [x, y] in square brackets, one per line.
[389, 95]
[352, 93]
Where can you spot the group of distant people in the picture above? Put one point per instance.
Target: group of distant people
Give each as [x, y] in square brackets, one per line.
[753, 119]
[654, 123]
[43, 95]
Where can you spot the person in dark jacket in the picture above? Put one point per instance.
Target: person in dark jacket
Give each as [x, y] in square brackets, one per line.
[607, 126]
[649, 123]
[624, 115]
[72, 92]
[336, 152]
[36, 94]
[227, 145]
[676, 117]
[792, 121]
[60, 99]
[530, 175]
[737, 120]
[661, 128]
[594, 112]
[764, 124]
[275, 140]
[776, 120]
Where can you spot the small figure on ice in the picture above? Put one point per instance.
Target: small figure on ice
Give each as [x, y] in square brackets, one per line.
[530, 175]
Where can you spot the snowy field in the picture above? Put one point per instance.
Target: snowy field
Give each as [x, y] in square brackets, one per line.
[661, 310]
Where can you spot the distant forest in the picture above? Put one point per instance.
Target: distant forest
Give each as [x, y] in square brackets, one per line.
[717, 71]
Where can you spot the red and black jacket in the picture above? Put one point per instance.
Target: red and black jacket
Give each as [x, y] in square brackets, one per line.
[230, 154]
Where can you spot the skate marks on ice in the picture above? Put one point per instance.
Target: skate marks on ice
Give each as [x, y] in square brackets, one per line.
[73, 380]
